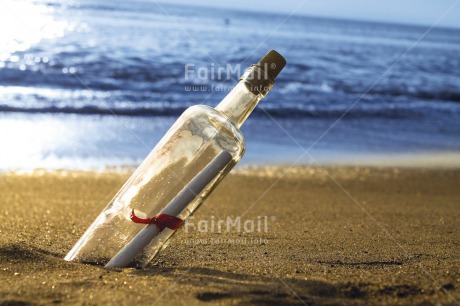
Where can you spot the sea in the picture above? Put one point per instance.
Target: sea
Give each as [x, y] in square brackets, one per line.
[92, 85]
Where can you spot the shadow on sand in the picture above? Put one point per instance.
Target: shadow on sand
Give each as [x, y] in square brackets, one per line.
[217, 286]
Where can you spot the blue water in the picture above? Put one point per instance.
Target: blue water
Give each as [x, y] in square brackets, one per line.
[96, 83]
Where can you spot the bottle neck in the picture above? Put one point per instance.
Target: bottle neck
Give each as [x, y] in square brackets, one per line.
[245, 96]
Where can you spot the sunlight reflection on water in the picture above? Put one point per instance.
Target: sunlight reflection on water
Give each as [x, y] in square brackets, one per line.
[25, 24]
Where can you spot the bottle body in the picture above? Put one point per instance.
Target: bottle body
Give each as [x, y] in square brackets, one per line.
[201, 147]
[195, 139]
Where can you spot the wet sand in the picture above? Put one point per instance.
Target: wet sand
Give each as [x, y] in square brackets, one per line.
[340, 235]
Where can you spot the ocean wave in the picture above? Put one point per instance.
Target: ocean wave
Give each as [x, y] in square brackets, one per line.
[137, 81]
[434, 94]
[285, 111]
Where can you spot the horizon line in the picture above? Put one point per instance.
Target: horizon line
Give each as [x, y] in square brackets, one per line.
[349, 19]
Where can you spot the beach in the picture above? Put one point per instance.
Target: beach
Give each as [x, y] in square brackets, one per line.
[329, 236]
[348, 192]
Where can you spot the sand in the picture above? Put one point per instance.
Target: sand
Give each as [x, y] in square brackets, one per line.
[347, 236]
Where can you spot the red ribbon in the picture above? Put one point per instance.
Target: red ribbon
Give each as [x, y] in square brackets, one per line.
[162, 221]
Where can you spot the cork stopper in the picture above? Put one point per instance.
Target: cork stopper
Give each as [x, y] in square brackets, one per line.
[272, 63]
[261, 77]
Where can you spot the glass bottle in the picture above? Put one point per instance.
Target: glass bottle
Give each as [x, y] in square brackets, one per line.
[201, 147]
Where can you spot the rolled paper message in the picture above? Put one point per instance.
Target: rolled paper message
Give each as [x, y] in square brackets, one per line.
[168, 216]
